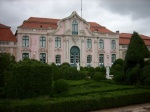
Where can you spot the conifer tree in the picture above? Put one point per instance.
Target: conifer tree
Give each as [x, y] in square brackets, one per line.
[136, 53]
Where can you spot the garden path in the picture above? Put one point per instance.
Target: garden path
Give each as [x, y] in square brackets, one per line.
[133, 108]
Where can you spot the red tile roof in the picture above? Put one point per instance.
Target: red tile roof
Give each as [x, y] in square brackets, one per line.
[6, 34]
[124, 39]
[34, 22]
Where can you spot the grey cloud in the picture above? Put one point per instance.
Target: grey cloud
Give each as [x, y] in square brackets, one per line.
[137, 9]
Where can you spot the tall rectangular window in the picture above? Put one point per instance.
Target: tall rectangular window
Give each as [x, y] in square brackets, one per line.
[57, 42]
[75, 27]
[25, 41]
[89, 43]
[101, 60]
[113, 44]
[113, 58]
[42, 42]
[25, 55]
[58, 59]
[43, 57]
[101, 44]
[89, 59]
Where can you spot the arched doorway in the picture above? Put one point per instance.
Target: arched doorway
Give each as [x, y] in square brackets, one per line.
[74, 55]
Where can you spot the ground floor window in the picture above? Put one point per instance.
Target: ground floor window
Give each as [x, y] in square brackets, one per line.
[25, 55]
[43, 57]
[101, 60]
[58, 59]
[113, 58]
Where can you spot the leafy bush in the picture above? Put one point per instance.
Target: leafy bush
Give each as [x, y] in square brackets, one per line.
[99, 76]
[29, 78]
[97, 69]
[119, 77]
[133, 75]
[71, 73]
[118, 62]
[65, 64]
[56, 72]
[147, 62]
[60, 86]
[145, 78]
[103, 69]
[6, 62]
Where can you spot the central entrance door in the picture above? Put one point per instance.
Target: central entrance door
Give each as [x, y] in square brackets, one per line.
[74, 55]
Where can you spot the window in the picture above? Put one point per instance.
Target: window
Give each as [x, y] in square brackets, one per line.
[57, 42]
[42, 42]
[58, 59]
[89, 43]
[113, 58]
[43, 57]
[89, 59]
[75, 27]
[101, 44]
[101, 60]
[25, 55]
[25, 41]
[113, 44]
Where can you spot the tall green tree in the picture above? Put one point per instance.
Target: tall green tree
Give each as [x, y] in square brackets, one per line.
[135, 55]
[6, 61]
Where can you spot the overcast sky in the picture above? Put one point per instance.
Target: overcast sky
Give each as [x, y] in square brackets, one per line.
[123, 15]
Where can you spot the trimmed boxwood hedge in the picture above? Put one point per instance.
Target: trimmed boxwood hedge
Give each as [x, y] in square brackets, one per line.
[79, 103]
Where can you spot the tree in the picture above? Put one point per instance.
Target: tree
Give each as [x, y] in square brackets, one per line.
[136, 53]
[6, 61]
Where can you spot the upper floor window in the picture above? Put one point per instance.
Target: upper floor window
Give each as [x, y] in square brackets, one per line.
[42, 42]
[25, 55]
[113, 44]
[89, 43]
[113, 58]
[101, 44]
[25, 41]
[43, 57]
[57, 42]
[89, 59]
[101, 60]
[75, 27]
[58, 59]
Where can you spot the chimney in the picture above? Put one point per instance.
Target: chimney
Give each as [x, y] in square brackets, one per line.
[117, 31]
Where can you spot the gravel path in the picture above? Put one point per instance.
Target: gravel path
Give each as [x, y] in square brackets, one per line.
[133, 108]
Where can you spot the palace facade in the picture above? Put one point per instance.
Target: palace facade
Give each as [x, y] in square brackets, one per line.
[71, 39]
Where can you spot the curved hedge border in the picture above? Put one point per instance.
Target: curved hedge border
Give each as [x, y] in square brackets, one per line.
[79, 103]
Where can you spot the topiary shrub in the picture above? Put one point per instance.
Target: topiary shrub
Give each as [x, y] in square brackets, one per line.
[118, 62]
[145, 78]
[60, 86]
[65, 64]
[103, 69]
[98, 76]
[97, 69]
[29, 78]
[133, 75]
[118, 77]
[71, 73]
[56, 72]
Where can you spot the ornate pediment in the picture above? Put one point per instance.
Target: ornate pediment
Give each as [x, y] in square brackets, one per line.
[75, 39]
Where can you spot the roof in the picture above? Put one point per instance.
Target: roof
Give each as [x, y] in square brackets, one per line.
[6, 34]
[35, 22]
[124, 38]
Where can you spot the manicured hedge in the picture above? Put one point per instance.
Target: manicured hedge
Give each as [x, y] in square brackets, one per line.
[79, 103]
[28, 79]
